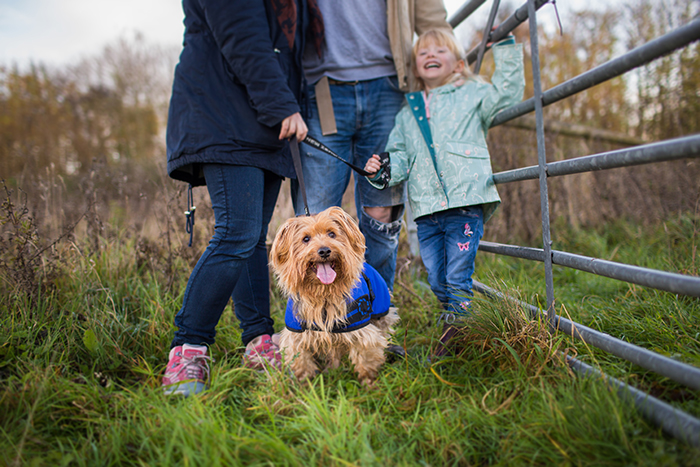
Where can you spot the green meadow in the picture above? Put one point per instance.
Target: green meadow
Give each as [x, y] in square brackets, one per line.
[85, 335]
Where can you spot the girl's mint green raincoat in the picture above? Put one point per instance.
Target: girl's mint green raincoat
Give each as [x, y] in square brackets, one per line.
[449, 166]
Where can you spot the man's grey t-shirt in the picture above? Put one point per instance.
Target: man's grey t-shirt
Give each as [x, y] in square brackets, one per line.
[356, 44]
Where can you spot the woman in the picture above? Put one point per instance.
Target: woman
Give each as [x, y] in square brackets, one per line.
[234, 105]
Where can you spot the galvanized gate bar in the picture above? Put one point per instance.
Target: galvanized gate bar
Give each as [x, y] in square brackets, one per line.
[660, 280]
[611, 69]
[486, 35]
[464, 12]
[673, 149]
[505, 28]
[516, 251]
[541, 159]
[680, 372]
[517, 175]
[673, 421]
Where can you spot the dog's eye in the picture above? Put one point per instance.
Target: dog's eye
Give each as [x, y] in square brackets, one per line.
[331, 234]
[306, 239]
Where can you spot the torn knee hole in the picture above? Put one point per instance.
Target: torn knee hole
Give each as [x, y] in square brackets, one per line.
[384, 214]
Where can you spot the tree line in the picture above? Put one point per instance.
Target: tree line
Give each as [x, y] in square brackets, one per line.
[89, 137]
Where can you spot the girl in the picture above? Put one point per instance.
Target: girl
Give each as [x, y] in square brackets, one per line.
[438, 145]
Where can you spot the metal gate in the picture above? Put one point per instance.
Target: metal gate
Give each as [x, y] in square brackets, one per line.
[674, 421]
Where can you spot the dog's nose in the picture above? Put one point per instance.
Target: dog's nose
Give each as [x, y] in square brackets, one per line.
[324, 252]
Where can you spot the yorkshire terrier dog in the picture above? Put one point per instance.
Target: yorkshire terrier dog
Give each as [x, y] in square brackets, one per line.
[338, 305]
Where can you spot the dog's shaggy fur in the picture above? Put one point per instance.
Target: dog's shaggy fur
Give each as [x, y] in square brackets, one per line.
[318, 260]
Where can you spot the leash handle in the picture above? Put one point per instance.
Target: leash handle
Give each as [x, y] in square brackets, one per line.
[294, 146]
[384, 171]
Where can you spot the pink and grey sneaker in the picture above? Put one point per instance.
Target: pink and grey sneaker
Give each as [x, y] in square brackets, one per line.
[263, 351]
[188, 370]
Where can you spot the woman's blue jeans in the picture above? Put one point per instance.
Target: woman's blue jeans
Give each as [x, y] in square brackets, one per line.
[448, 243]
[234, 265]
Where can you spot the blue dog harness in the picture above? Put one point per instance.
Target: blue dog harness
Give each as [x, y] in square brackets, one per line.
[370, 300]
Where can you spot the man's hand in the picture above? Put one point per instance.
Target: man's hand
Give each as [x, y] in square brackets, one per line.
[294, 125]
[373, 165]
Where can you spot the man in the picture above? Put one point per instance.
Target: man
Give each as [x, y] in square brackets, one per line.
[356, 87]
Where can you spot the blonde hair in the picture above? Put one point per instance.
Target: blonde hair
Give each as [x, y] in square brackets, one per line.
[439, 37]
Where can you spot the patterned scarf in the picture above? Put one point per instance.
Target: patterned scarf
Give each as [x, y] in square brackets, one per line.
[286, 11]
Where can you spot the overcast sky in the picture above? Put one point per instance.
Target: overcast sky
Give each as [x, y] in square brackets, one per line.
[58, 32]
[62, 31]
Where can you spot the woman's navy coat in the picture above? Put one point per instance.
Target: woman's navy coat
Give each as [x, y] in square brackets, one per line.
[236, 81]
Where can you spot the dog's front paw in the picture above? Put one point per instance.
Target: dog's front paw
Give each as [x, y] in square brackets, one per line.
[306, 376]
[367, 377]
[305, 372]
[367, 362]
[368, 382]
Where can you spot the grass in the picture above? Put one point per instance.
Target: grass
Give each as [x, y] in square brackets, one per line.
[81, 361]
[659, 321]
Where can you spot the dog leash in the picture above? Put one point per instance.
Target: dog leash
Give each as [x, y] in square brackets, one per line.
[294, 146]
[384, 176]
[313, 142]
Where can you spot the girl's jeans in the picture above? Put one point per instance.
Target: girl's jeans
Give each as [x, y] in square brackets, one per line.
[448, 243]
[234, 265]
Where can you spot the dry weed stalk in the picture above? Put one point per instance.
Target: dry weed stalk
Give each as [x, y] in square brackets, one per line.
[27, 263]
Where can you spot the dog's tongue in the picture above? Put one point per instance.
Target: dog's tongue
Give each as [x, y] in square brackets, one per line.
[325, 273]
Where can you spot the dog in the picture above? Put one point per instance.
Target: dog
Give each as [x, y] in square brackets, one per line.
[338, 304]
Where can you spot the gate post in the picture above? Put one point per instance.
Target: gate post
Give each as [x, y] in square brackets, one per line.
[542, 160]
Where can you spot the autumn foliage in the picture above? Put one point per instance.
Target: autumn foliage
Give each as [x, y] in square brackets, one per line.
[86, 142]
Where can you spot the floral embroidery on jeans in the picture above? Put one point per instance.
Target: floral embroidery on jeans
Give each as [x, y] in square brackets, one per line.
[467, 230]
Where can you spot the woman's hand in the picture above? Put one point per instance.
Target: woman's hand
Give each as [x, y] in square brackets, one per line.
[294, 125]
[373, 165]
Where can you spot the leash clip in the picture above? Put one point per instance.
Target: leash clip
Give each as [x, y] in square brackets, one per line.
[189, 215]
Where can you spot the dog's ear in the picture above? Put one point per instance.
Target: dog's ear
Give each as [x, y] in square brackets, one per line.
[351, 229]
[280, 246]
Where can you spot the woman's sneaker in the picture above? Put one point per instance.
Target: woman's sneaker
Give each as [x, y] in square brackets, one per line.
[188, 370]
[263, 351]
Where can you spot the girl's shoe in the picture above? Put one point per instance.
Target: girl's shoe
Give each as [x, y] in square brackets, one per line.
[448, 332]
[188, 370]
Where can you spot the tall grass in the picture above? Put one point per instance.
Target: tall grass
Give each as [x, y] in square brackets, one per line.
[81, 363]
